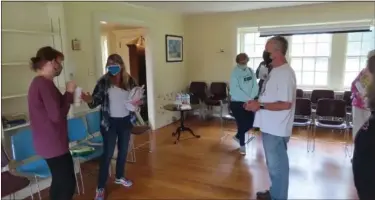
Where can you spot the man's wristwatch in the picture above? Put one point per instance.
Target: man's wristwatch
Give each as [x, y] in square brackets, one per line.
[261, 106]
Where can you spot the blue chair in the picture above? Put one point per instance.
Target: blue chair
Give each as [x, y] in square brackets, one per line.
[93, 126]
[77, 132]
[23, 150]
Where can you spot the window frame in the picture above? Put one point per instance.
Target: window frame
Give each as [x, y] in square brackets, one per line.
[315, 57]
[360, 56]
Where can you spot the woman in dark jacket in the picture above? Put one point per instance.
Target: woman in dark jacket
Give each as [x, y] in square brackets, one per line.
[364, 148]
[111, 93]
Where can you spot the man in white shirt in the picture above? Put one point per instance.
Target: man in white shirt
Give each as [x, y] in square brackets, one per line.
[275, 115]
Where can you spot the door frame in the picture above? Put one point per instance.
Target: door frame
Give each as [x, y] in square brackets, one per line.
[128, 21]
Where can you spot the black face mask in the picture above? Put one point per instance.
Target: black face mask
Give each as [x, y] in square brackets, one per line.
[266, 58]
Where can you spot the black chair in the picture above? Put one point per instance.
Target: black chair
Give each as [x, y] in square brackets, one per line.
[218, 96]
[331, 114]
[303, 116]
[10, 183]
[299, 93]
[321, 94]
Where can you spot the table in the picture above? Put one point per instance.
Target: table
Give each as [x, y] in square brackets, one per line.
[182, 127]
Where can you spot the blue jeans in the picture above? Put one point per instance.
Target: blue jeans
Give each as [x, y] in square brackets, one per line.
[275, 149]
[119, 129]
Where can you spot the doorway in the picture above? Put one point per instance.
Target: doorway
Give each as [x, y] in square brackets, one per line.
[129, 42]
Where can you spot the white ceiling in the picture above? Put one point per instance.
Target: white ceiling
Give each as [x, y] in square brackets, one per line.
[218, 6]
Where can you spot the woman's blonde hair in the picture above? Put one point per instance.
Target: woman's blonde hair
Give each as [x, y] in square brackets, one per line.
[115, 58]
[371, 88]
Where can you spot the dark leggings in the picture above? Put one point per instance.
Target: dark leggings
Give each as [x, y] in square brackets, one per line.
[364, 164]
[119, 130]
[244, 120]
[63, 178]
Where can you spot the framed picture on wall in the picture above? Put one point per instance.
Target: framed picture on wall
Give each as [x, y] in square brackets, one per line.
[174, 48]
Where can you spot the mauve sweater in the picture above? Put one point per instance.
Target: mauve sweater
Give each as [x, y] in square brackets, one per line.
[48, 110]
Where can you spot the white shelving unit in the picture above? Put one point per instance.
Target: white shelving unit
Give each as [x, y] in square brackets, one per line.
[21, 40]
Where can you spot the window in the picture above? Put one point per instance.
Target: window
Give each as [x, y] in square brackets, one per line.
[104, 45]
[358, 45]
[310, 56]
[253, 46]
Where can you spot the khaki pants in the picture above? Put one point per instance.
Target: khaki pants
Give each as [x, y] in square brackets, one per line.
[360, 116]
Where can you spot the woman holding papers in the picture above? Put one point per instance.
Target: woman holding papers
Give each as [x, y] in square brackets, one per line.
[112, 94]
[364, 148]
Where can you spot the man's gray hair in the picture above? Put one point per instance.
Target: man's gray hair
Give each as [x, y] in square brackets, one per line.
[371, 54]
[280, 43]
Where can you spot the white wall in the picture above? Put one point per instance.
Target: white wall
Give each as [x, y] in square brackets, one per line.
[207, 33]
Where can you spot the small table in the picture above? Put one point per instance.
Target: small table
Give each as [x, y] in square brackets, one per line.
[182, 127]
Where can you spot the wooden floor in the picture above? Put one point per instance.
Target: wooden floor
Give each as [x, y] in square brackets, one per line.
[205, 169]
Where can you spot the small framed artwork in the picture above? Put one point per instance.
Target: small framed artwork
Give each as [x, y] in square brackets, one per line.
[174, 48]
[76, 45]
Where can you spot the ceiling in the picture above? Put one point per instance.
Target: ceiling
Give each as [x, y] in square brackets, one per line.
[218, 6]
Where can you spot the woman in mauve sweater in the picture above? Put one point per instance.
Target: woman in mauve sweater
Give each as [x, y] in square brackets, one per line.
[48, 110]
[364, 148]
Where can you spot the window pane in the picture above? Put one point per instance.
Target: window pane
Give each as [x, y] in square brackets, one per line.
[310, 49]
[354, 48]
[352, 65]
[261, 40]
[366, 47]
[249, 49]
[258, 50]
[349, 77]
[368, 36]
[363, 63]
[308, 78]
[321, 78]
[297, 39]
[296, 64]
[308, 64]
[354, 37]
[309, 38]
[298, 77]
[297, 49]
[249, 38]
[323, 49]
[257, 61]
[321, 64]
[251, 64]
[326, 38]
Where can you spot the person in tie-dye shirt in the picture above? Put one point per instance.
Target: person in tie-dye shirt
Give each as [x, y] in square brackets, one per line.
[364, 147]
[360, 109]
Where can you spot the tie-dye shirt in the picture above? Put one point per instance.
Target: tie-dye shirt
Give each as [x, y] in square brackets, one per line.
[359, 86]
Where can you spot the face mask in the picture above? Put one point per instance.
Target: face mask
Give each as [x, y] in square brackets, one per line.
[114, 69]
[242, 66]
[267, 57]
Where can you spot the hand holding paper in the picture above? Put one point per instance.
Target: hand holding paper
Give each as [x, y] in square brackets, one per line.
[135, 98]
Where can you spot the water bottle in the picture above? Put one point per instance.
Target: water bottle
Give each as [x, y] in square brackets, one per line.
[188, 99]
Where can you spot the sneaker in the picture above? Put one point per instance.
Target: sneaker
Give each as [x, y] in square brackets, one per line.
[99, 194]
[123, 181]
[243, 150]
[264, 195]
[236, 139]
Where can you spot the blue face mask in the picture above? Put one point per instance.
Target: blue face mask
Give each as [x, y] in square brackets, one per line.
[114, 69]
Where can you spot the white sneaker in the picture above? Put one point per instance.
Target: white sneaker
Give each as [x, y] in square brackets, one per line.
[123, 181]
[243, 150]
[99, 194]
